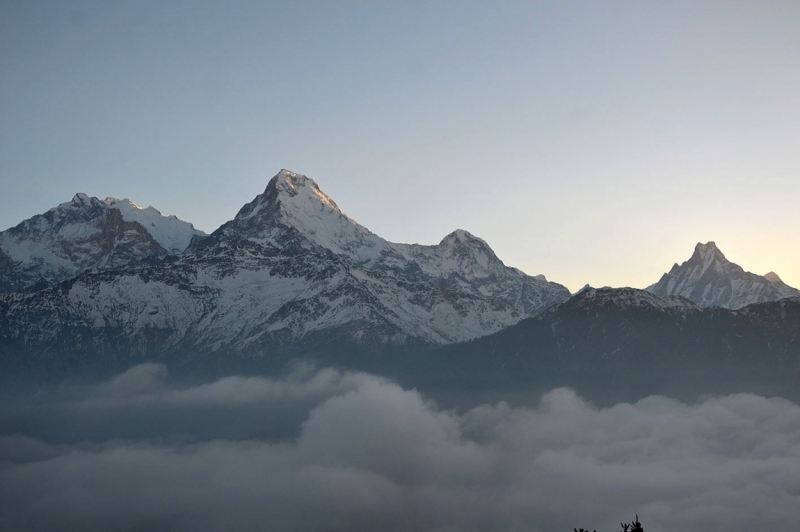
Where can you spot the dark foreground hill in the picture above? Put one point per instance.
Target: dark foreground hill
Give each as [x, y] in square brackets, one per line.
[625, 344]
[614, 345]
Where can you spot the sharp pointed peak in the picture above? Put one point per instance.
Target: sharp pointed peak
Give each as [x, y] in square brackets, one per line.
[709, 279]
[293, 178]
[708, 246]
[708, 252]
[288, 190]
[288, 174]
[299, 184]
[292, 183]
[295, 202]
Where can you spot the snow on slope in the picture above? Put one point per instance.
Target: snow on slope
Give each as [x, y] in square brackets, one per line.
[171, 233]
[399, 280]
[290, 266]
[461, 261]
[710, 280]
[86, 234]
[295, 201]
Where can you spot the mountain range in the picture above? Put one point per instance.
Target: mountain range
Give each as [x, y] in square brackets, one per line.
[98, 285]
[289, 269]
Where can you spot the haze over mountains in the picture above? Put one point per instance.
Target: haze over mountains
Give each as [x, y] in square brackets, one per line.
[105, 284]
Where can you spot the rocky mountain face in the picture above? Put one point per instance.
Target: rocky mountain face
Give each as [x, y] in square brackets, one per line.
[710, 280]
[86, 235]
[291, 269]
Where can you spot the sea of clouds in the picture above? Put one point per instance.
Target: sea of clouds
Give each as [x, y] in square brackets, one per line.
[330, 450]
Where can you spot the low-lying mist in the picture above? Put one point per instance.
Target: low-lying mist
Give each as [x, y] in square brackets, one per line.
[322, 449]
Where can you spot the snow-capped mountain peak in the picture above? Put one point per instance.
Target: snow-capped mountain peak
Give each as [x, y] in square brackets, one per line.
[86, 234]
[460, 237]
[304, 188]
[294, 204]
[708, 253]
[709, 279]
[471, 256]
[293, 192]
[80, 203]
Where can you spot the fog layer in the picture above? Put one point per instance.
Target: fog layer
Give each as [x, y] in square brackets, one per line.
[326, 450]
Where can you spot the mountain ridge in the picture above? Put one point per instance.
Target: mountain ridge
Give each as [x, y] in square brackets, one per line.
[289, 267]
[291, 274]
[86, 234]
[709, 279]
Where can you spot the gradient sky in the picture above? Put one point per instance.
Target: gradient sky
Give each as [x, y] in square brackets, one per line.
[594, 142]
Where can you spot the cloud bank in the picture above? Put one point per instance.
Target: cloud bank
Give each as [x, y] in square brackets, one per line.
[356, 452]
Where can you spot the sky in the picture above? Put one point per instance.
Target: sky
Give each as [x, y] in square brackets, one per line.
[357, 452]
[593, 142]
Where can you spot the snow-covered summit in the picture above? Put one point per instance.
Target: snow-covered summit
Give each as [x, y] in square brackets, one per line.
[466, 253]
[709, 279]
[459, 252]
[297, 194]
[172, 233]
[709, 252]
[294, 202]
[86, 234]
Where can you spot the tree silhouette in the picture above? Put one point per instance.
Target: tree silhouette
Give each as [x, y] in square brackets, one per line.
[634, 526]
